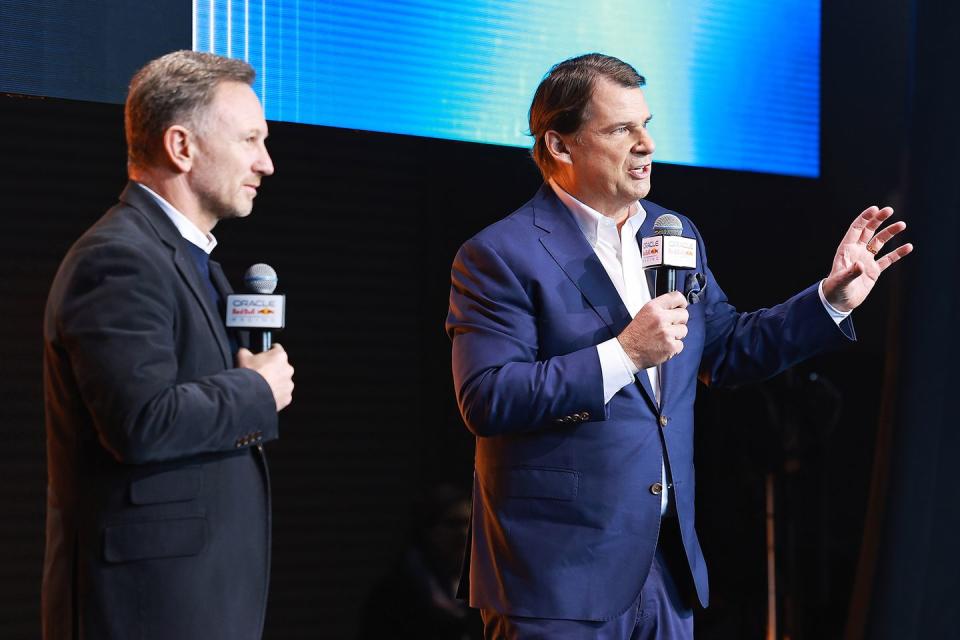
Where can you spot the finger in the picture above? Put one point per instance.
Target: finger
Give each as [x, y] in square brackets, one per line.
[855, 232]
[681, 332]
[667, 300]
[277, 347]
[243, 355]
[674, 300]
[874, 223]
[680, 316]
[894, 255]
[886, 234]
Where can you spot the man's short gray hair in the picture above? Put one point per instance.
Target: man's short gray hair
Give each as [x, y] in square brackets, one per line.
[174, 89]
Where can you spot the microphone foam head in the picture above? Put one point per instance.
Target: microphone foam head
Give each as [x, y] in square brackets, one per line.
[668, 225]
[260, 278]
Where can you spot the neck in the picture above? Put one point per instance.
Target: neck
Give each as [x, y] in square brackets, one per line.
[618, 213]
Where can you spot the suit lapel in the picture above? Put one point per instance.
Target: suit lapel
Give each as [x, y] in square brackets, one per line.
[188, 271]
[565, 243]
[235, 337]
[168, 233]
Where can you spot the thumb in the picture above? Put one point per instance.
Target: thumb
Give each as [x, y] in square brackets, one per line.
[849, 274]
[243, 355]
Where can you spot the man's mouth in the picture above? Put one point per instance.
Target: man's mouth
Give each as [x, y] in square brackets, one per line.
[640, 172]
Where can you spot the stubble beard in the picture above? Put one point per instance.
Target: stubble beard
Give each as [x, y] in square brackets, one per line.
[220, 209]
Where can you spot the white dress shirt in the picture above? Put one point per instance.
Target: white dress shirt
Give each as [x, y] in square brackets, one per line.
[622, 262]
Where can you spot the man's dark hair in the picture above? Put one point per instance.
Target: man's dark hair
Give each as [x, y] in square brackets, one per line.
[560, 102]
[174, 89]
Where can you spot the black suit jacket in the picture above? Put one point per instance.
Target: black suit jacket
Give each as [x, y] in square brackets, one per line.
[158, 516]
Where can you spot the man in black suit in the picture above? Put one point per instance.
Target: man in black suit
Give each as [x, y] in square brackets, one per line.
[158, 517]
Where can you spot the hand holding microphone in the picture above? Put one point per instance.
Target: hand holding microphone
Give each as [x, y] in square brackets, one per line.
[263, 312]
[656, 333]
[275, 369]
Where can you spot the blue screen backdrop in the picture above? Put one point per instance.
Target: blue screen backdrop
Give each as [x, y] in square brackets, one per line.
[731, 84]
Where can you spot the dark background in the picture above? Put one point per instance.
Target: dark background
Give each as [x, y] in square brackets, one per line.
[362, 227]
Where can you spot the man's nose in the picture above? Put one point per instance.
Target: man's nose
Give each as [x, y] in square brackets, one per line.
[263, 164]
[645, 144]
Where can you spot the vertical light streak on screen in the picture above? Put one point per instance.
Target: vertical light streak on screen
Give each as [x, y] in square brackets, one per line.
[213, 22]
[732, 85]
[296, 84]
[263, 53]
[229, 29]
[193, 27]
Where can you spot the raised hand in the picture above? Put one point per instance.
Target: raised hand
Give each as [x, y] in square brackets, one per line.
[856, 265]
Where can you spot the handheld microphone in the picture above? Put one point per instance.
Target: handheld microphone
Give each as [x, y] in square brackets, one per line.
[259, 309]
[666, 251]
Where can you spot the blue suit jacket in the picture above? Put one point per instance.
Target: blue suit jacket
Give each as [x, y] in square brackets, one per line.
[564, 522]
[158, 515]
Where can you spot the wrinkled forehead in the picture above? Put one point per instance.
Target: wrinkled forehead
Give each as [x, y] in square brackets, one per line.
[612, 102]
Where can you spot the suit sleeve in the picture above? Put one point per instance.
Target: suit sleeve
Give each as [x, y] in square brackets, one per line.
[741, 348]
[117, 328]
[502, 383]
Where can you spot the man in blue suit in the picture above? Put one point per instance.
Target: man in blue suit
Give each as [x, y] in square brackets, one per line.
[580, 387]
[158, 514]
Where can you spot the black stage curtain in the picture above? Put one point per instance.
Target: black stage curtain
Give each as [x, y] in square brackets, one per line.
[911, 532]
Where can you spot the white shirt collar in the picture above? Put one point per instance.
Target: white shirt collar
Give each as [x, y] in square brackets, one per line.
[187, 229]
[594, 224]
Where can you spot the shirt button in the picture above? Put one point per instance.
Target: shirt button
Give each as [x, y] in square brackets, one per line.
[656, 488]
[664, 420]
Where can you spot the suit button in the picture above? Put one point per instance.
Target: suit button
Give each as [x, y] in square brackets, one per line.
[664, 420]
[656, 488]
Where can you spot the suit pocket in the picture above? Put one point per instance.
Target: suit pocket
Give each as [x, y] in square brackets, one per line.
[179, 485]
[171, 538]
[543, 483]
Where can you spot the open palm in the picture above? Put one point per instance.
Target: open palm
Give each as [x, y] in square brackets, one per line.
[856, 266]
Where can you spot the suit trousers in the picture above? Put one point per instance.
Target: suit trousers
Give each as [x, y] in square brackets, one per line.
[663, 611]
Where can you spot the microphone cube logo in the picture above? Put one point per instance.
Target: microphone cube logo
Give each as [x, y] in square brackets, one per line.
[677, 252]
[255, 311]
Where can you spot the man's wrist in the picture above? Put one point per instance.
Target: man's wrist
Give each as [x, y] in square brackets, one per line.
[837, 315]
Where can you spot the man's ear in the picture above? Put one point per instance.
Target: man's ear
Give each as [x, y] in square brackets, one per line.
[557, 147]
[179, 148]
